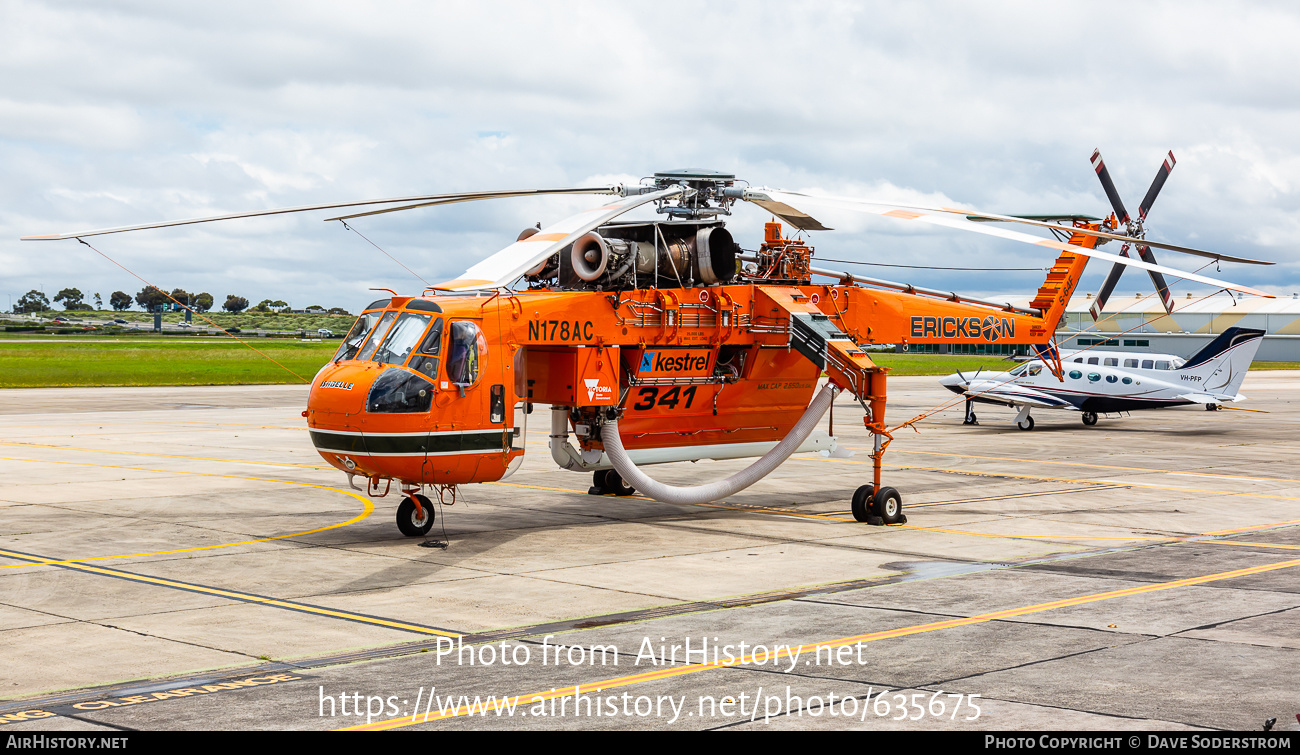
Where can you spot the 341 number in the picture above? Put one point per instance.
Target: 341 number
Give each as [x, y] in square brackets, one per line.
[671, 398]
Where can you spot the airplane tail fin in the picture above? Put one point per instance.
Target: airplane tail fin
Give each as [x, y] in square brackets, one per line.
[1222, 365]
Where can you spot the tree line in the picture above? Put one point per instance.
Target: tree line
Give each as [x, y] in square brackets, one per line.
[152, 299]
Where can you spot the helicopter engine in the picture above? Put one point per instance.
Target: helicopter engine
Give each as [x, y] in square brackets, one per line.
[678, 254]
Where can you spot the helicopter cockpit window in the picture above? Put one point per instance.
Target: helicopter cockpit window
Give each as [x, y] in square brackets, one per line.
[426, 356]
[376, 335]
[467, 346]
[402, 338]
[352, 342]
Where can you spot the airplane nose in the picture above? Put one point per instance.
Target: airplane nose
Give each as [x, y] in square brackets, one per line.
[953, 383]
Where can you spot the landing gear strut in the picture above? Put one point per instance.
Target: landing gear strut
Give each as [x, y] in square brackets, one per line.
[970, 413]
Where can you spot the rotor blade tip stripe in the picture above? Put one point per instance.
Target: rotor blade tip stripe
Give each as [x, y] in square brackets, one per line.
[545, 237]
[904, 214]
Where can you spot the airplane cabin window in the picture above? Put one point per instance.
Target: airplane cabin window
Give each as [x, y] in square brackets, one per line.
[1178, 363]
[1075, 374]
[1018, 371]
[1130, 363]
[1128, 381]
[1093, 377]
[1079, 359]
[1111, 362]
[1092, 360]
[1147, 363]
[1162, 365]
[1035, 368]
[1111, 378]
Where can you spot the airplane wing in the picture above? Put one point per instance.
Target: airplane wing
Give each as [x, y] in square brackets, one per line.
[1017, 395]
[508, 264]
[1208, 398]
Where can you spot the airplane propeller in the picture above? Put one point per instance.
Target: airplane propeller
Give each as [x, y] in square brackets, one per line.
[1133, 228]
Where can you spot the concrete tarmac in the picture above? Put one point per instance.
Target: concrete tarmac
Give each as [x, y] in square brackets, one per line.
[181, 558]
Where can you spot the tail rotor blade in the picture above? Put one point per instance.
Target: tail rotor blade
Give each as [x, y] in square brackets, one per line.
[1162, 175]
[1109, 185]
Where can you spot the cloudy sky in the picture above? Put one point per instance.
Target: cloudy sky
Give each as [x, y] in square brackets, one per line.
[119, 113]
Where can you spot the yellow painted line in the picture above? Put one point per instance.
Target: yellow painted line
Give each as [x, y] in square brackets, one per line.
[243, 596]
[1082, 464]
[676, 671]
[1018, 476]
[1037, 537]
[1252, 528]
[368, 507]
[1017, 495]
[1254, 545]
[166, 456]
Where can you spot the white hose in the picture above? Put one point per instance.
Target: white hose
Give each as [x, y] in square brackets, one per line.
[723, 488]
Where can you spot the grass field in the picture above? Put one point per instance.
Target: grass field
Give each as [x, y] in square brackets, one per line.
[60, 361]
[28, 363]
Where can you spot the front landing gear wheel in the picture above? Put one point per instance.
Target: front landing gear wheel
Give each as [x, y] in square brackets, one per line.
[862, 504]
[1089, 418]
[1028, 424]
[415, 522]
[888, 505]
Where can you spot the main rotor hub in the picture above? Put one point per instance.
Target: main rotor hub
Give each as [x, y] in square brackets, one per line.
[710, 194]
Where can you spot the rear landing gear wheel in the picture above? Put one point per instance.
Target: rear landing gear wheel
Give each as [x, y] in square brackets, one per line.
[614, 484]
[598, 482]
[888, 505]
[862, 504]
[1089, 418]
[413, 522]
[1027, 424]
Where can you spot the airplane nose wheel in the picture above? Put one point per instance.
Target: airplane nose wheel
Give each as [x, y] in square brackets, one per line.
[413, 522]
[1089, 418]
[1028, 423]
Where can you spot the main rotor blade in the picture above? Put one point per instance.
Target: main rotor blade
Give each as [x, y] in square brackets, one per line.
[956, 219]
[791, 215]
[1107, 286]
[432, 198]
[1100, 166]
[508, 264]
[452, 199]
[1162, 175]
[1157, 280]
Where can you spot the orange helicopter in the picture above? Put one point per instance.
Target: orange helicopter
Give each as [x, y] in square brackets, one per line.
[654, 341]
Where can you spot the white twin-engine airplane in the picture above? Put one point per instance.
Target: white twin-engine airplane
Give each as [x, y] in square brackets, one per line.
[1116, 381]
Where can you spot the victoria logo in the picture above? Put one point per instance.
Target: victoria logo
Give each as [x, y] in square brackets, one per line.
[596, 391]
